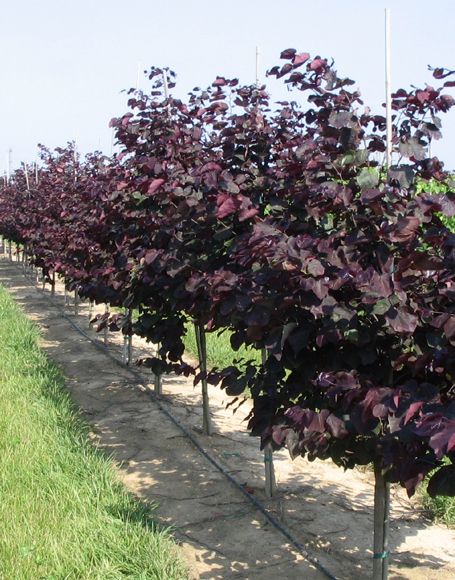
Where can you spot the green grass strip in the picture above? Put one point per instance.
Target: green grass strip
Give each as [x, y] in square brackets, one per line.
[63, 512]
[219, 350]
[442, 509]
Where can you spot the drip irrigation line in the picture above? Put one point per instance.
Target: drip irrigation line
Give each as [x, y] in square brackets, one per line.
[259, 505]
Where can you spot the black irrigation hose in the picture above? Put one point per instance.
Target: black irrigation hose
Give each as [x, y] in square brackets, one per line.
[275, 523]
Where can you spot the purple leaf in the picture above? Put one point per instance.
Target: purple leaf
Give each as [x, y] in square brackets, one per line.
[404, 230]
[154, 185]
[442, 482]
[288, 54]
[299, 59]
[401, 320]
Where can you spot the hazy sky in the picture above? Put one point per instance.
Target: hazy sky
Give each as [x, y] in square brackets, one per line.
[64, 63]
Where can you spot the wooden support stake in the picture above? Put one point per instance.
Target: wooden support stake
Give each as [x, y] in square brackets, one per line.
[381, 524]
[202, 354]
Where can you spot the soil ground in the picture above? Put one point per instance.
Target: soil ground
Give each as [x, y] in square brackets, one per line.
[221, 532]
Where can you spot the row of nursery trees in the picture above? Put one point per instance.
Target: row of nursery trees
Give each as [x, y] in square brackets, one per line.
[280, 223]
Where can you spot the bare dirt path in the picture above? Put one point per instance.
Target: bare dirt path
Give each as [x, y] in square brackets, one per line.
[222, 533]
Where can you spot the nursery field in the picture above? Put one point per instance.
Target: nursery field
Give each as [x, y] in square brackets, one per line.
[303, 251]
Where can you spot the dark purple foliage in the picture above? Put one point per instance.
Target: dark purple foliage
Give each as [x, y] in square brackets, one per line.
[282, 225]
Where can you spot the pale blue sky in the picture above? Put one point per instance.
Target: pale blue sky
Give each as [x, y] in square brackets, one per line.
[63, 64]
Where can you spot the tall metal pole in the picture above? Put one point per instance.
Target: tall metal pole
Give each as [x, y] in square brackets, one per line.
[75, 161]
[112, 141]
[27, 181]
[388, 90]
[10, 163]
[166, 88]
[382, 487]
[257, 66]
[138, 75]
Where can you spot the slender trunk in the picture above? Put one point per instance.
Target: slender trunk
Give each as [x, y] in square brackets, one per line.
[202, 354]
[269, 468]
[106, 328]
[76, 301]
[158, 385]
[128, 341]
[90, 311]
[381, 524]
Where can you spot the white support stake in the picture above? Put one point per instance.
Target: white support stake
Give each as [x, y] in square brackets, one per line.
[138, 75]
[75, 162]
[165, 85]
[388, 90]
[257, 66]
[27, 181]
[10, 163]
